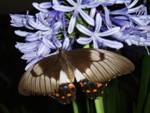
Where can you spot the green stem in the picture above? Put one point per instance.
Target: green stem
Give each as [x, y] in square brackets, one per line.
[87, 105]
[99, 105]
[75, 106]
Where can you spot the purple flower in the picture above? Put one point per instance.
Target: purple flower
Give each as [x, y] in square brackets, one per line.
[45, 28]
[76, 8]
[96, 36]
[42, 7]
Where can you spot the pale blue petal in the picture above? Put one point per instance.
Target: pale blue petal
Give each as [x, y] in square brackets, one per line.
[34, 61]
[48, 43]
[132, 4]
[43, 50]
[29, 56]
[27, 47]
[95, 43]
[93, 12]
[84, 40]
[109, 32]
[110, 43]
[66, 43]
[86, 17]
[34, 36]
[138, 9]
[22, 33]
[71, 2]
[56, 42]
[98, 22]
[72, 24]
[57, 26]
[141, 20]
[107, 17]
[55, 2]
[63, 8]
[37, 6]
[79, 1]
[123, 1]
[45, 5]
[37, 25]
[84, 30]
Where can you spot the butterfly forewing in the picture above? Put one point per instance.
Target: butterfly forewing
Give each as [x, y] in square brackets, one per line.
[99, 65]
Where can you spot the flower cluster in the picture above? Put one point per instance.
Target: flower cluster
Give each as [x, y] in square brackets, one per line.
[93, 22]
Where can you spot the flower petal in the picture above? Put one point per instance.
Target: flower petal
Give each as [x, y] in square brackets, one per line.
[71, 24]
[37, 25]
[95, 43]
[45, 5]
[55, 2]
[107, 17]
[37, 6]
[48, 43]
[98, 22]
[84, 30]
[109, 32]
[27, 47]
[86, 17]
[79, 1]
[56, 42]
[43, 50]
[32, 63]
[22, 33]
[132, 4]
[66, 43]
[71, 2]
[29, 56]
[84, 40]
[63, 8]
[93, 12]
[110, 43]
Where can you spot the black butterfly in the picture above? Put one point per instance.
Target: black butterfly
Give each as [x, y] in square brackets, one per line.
[55, 75]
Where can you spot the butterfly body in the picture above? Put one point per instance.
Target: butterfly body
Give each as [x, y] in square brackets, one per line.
[55, 75]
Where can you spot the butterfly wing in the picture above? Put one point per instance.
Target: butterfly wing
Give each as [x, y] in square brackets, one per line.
[42, 78]
[49, 77]
[99, 65]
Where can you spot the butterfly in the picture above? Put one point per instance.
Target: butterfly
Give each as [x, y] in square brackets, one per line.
[55, 75]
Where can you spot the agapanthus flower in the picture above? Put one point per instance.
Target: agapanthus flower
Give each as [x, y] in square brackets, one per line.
[41, 42]
[96, 35]
[46, 30]
[77, 8]
[130, 19]
[42, 7]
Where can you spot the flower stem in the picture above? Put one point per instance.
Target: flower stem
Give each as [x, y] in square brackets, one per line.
[99, 105]
[75, 106]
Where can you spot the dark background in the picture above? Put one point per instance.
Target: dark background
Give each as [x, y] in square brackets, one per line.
[12, 67]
